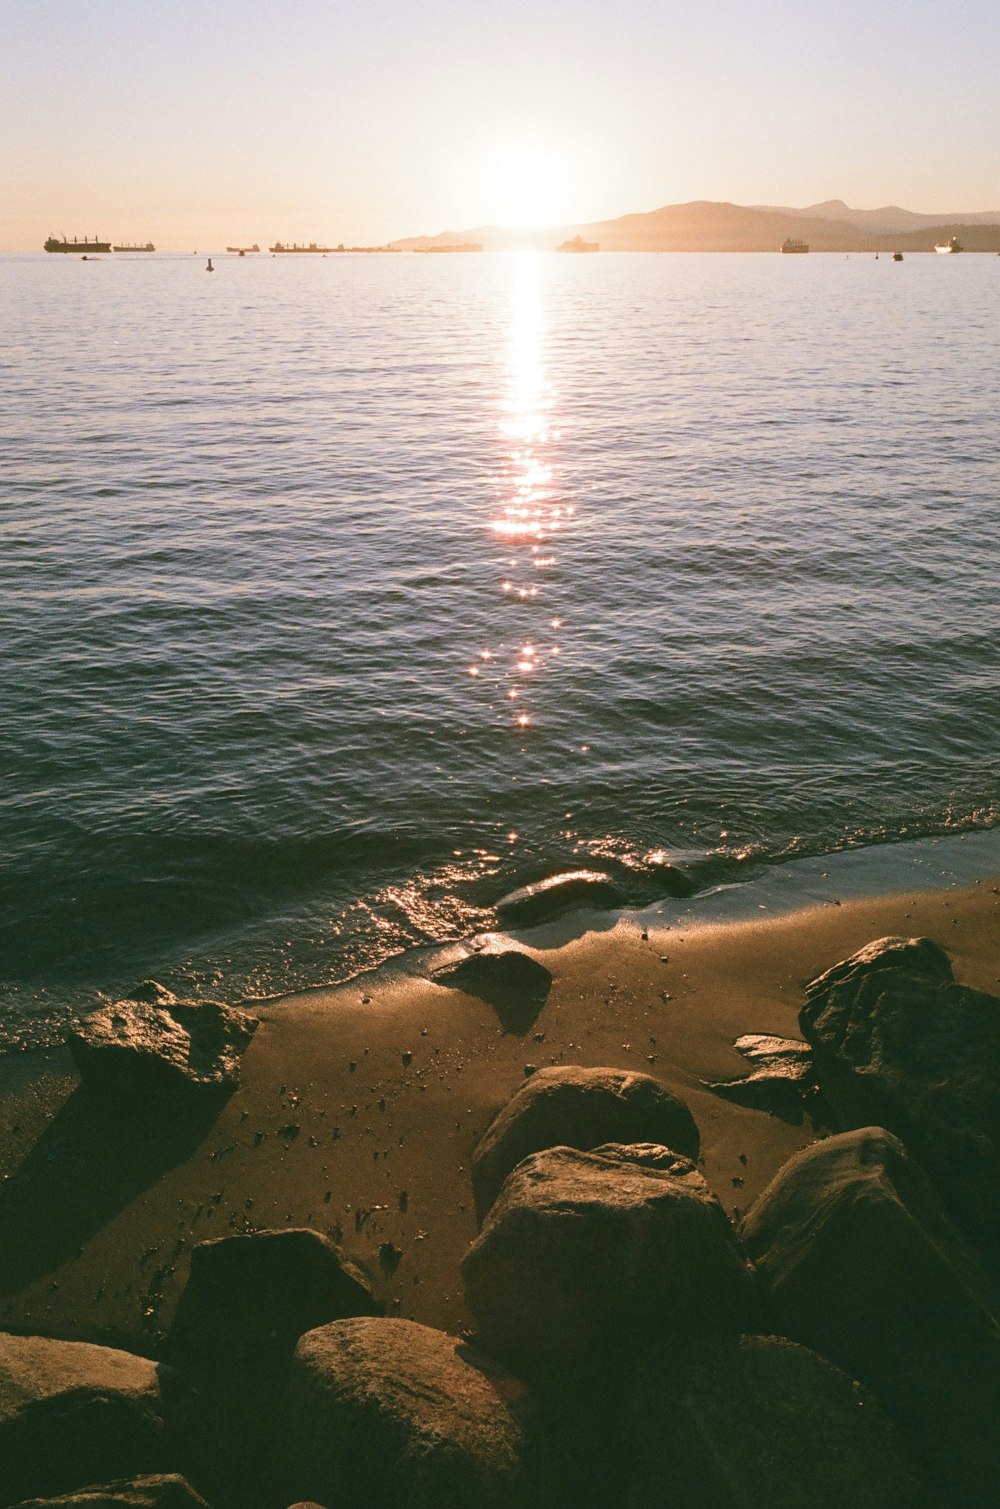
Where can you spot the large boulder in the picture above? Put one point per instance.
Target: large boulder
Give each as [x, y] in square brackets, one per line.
[154, 1491]
[253, 1296]
[587, 1252]
[72, 1413]
[760, 1421]
[570, 1106]
[163, 1048]
[394, 1414]
[857, 1259]
[898, 1043]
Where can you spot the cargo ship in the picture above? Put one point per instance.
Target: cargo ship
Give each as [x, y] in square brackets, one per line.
[149, 247]
[241, 251]
[452, 246]
[279, 246]
[793, 244]
[53, 244]
[577, 244]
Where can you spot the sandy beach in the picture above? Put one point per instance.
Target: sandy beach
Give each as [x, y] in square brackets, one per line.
[360, 1108]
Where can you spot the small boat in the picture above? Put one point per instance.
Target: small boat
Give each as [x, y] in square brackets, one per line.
[897, 256]
[793, 245]
[954, 245]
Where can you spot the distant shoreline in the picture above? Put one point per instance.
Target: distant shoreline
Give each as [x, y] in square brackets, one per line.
[885, 250]
[699, 225]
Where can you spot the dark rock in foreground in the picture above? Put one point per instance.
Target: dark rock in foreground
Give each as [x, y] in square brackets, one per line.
[246, 1303]
[165, 1049]
[898, 1043]
[858, 1260]
[252, 1297]
[73, 1414]
[760, 1421]
[534, 904]
[394, 1414]
[571, 1106]
[167, 1491]
[590, 1252]
[514, 984]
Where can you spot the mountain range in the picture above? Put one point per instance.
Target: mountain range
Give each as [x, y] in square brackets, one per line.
[708, 225]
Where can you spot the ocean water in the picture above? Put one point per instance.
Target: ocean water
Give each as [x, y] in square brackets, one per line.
[339, 596]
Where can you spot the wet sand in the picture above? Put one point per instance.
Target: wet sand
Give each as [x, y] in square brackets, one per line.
[360, 1108]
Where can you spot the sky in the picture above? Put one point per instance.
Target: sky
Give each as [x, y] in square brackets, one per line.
[201, 123]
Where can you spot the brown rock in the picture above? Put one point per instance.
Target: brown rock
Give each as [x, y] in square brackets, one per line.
[394, 1414]
[253, 1296]
[571, 1106]
[781, 1079]
[179, 1050]
[73, 1414]
[513, 983]
[760, 1421]
[858, 1260]
[545, 899]
[587, 1252]
[898, 1043]
[166, 1491]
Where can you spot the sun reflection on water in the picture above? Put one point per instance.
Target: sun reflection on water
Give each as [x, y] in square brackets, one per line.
[530, 512]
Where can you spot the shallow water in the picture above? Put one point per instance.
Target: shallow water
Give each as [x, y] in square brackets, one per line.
[339, 596]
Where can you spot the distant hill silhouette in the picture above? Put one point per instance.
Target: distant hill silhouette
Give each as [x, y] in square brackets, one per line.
[890, 218]
[709, 225]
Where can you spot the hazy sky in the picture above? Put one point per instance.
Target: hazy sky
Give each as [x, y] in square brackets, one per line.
[202, 122]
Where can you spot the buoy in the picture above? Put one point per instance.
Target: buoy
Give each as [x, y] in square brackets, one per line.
[209, 268]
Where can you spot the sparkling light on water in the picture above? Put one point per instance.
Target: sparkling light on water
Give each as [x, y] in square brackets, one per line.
[329, 587]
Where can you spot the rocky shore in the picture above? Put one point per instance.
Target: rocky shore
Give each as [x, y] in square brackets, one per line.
[701, 1217]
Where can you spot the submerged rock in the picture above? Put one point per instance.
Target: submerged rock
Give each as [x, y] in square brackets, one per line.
[155, 1491]
[545, 899]
[857, 1258]
[253, 1296]
[571, 1106]
[898, 1043]
[395, 1414]
[513, 983]
[180, 1050]
[72, 1413]
[589, 1252]
[760, 1421]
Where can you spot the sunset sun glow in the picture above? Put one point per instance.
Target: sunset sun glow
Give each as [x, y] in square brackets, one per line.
[526, 187]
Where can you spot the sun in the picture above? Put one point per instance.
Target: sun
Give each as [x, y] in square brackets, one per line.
[526, 185]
